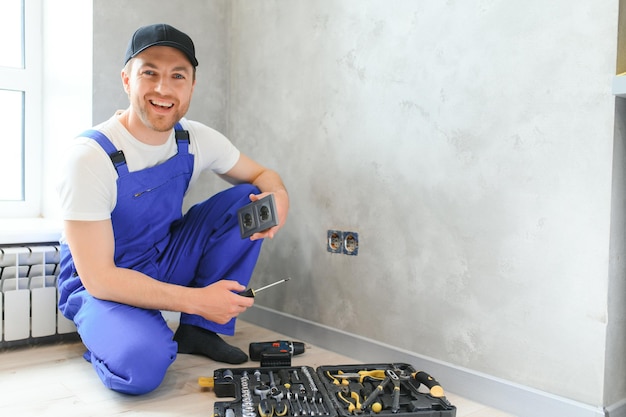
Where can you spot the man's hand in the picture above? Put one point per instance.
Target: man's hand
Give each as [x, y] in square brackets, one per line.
[268, 181]
[219, 302]
[282, 207]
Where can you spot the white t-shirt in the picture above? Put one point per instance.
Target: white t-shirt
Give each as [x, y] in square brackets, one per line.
[87, 186]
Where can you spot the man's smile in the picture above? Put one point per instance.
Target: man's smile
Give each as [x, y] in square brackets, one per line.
[161, 104]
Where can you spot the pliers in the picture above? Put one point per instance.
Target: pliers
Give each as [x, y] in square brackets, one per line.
[353, 407]
[361, 375]
[395, 407]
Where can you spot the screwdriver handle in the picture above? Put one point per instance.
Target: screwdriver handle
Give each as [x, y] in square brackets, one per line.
[265, 409]
[284, 378]
[247, 293]
[431, 383]
[374, 394]
[396, 399]
[282, 408]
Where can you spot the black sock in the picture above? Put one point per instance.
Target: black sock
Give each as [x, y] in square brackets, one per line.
[196, 340]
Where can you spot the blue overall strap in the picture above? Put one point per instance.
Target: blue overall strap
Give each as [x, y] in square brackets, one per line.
[117, 156]
[182, 139]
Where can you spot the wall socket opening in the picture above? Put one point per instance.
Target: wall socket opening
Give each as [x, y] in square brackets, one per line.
[334, 241]
[350, 243]
[342, 242]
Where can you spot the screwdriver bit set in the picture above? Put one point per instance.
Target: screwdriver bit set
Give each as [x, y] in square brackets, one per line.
[338, 390]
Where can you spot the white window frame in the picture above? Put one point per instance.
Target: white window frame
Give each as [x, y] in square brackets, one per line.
[29, 80]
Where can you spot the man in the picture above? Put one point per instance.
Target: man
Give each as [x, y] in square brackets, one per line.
[128, 252]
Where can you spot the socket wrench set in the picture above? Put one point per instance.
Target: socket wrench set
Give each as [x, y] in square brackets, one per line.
[337, 390]
[270, 391]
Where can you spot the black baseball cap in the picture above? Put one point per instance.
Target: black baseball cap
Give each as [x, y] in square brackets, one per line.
[160, 34]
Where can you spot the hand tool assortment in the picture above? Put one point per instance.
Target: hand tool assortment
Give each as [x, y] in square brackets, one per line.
[268, 392]
[384, 389]
[338, 390]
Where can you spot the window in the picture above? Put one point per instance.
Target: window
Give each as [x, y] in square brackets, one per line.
[20, 108]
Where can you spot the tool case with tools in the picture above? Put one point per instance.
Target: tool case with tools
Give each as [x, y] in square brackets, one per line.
[337, 390]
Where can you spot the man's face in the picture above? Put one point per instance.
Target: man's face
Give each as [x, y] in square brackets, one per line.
[159, 84]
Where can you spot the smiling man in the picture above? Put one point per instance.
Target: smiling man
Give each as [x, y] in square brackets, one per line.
[128, 252]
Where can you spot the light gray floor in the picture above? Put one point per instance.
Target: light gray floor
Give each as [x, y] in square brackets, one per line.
[54, 380]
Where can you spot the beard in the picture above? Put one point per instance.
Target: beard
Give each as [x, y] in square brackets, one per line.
[159, 122]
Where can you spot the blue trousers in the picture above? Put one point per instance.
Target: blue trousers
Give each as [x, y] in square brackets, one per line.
[131, 348]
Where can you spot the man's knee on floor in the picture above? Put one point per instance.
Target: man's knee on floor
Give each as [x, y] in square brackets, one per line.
[138, 371]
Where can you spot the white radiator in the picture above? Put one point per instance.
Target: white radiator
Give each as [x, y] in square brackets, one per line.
[28, 295]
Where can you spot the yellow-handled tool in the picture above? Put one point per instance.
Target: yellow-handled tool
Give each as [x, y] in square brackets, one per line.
[335, 381]
[355, 406]
[431, 383]
[361, 375]
[374, 394]
[206, 382]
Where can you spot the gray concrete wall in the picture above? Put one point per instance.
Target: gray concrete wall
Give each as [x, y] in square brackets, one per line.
[468, 143]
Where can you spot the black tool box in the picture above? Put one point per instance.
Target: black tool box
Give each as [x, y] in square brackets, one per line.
[337, 390]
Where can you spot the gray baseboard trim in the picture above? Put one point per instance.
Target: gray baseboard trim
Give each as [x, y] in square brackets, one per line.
[493, 392]
[617, 410]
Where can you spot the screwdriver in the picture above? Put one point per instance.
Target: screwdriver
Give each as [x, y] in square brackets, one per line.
[251, 293]
[431, 383]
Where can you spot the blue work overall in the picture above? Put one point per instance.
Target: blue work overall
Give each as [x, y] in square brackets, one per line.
[129, 347]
